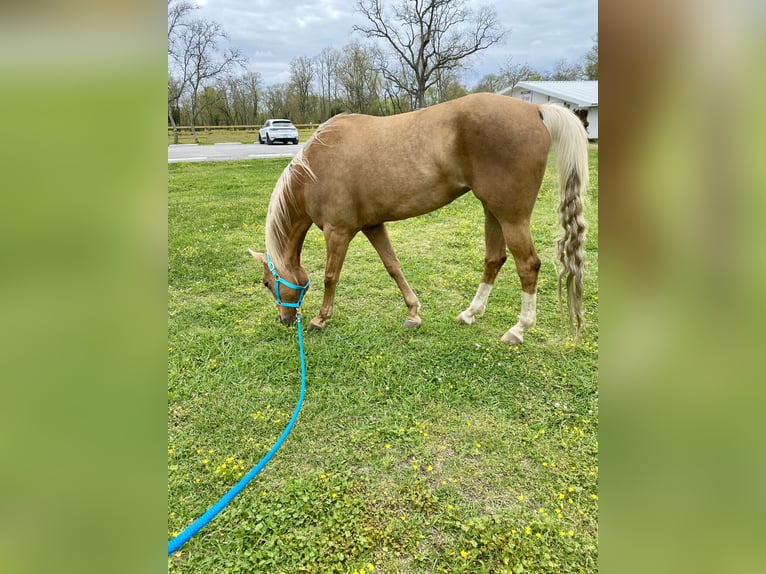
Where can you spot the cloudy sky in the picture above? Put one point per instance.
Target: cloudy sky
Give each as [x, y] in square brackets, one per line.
[273, 32]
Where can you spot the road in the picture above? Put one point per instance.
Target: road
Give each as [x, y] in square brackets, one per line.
[229, 151]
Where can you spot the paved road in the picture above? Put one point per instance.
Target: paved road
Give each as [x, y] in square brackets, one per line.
[229, 151]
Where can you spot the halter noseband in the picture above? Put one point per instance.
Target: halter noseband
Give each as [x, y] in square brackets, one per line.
[301, 289]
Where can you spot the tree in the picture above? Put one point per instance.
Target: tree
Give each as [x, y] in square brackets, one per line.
[512, 73]
[326, 67]
[203, 59]
[591, 61]
[301, 81]
[253, 94]
[447, 87]
[563, 71]
[359, 79]
[508, 76]
[276, 101]
[178, 12]
[426, 38]
[490, 83]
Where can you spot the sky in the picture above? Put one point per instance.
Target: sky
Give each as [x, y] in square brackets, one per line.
[271, 33]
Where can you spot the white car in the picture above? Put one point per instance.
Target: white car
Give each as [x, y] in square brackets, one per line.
[277, 130]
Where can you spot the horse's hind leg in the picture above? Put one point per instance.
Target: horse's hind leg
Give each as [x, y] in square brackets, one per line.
[519, 241]
[494, 257]
[378, 236]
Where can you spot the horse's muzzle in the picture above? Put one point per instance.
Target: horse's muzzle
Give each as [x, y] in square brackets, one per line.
[287, 319]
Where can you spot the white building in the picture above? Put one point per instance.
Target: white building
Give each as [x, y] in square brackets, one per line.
[580, 97]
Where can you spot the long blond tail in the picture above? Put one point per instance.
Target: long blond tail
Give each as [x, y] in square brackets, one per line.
[570, 141]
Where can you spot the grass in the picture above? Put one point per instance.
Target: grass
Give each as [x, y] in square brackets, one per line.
[434, 450]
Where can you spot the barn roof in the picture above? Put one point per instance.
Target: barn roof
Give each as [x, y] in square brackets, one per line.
[582, 93]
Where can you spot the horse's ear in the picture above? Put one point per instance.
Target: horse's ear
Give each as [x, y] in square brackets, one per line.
[260, 257]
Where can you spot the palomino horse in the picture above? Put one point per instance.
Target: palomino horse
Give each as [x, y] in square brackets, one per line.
[357, 172]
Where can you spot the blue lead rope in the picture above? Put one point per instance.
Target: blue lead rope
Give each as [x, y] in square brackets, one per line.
[176, 543]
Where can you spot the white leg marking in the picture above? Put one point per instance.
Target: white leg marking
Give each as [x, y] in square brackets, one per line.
[477, 306]
[515, 334]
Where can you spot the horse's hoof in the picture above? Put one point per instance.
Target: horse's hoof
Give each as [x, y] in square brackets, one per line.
[412, 323]
[465, 318]
[512, 339]
[316, 325]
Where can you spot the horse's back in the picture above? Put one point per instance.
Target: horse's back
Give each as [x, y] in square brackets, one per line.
[371, 169]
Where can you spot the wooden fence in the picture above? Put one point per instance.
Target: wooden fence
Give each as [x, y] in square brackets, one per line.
[255, 128]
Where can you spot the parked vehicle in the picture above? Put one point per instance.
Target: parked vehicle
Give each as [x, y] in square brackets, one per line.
[277, 131]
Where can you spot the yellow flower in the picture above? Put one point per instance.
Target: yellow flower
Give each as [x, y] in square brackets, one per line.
[520, 497]
[527, 530]
[429, 468]
[388, 445]
[538, 534]
[571, 533]
[594, 496]
[370, 567]
[561, 496]
[463, 553]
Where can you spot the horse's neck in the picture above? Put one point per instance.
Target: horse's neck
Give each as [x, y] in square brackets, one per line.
[287, 252]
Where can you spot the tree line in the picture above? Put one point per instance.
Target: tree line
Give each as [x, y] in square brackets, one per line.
[415, 60]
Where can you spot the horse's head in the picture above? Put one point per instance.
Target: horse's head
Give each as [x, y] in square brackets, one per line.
[287, 294]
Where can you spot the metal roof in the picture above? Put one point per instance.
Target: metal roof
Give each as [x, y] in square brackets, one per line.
[583, 93]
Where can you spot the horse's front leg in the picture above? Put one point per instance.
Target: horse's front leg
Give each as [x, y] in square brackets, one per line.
[336, 243]
[378, 236]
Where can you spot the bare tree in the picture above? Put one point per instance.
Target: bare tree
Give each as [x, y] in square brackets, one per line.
[204, 59]
[563, 71]
[427, 37]
[178, 13]
[358, 78]
[326, 67]
[512, 73]
[276, 100]
[253, 94]
[301, 81]
[591, 61]
[447, 87]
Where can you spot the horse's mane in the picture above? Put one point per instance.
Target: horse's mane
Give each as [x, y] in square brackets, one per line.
[278, 214]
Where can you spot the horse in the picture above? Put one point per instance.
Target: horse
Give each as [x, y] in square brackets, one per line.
[358, 172]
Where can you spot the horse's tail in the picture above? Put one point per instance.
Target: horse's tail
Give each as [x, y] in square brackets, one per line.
[571, 144]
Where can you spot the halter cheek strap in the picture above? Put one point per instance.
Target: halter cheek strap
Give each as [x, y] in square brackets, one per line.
[301, 289]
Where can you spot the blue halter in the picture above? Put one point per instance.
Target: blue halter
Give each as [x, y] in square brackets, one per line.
[301, 289]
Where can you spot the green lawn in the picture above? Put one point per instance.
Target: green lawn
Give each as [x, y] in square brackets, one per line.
[434, 450]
